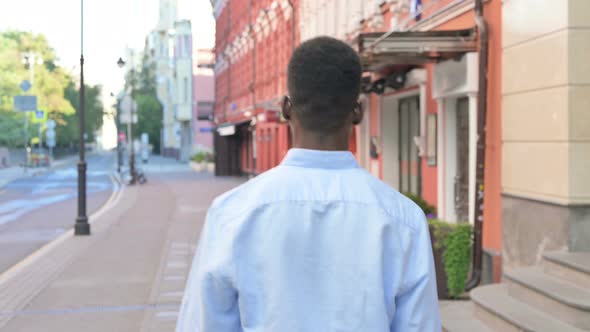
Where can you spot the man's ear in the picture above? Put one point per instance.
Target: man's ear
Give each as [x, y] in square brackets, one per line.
[357, 114]
[287, 108]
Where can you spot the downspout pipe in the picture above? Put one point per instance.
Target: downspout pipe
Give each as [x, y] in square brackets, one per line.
[482, 95]
[292, 25]
[252, 85]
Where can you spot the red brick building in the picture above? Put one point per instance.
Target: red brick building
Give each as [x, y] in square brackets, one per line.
[254, 40]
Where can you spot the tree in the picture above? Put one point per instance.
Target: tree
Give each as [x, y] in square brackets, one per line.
[49, 83]
[149, 118]
[69, 132]
[142, 84]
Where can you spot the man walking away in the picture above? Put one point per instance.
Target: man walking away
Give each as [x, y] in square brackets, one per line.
[316, 244]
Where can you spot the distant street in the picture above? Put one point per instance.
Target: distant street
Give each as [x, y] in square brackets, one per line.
[36, 210]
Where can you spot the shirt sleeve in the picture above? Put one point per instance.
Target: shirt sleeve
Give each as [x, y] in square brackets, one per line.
[417, 303]
[210, 302]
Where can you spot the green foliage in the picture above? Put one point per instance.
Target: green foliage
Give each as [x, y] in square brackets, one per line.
[67, 130]
[49, 85]
[199, 157]
[149, 118]
[142, 84]
[11, 129]
[456, 241]
[423, 204]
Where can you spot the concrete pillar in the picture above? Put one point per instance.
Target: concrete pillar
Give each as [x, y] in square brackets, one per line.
[545, 128]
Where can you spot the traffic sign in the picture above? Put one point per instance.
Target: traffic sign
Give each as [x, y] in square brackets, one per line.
[25, 103]
[25, 86]
[50, 134]
[125, 118]
[128, 105]
[38, 116]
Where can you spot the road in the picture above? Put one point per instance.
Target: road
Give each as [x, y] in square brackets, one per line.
[36, 210]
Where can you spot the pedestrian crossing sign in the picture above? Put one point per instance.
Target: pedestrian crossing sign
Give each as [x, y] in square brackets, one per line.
[39, 116]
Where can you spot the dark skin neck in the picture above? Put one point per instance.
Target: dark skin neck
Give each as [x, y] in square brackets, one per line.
[337, 141]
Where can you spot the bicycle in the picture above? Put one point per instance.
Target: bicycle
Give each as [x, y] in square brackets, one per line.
[138, 177]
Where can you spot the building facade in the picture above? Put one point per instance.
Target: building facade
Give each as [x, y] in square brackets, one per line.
[183, 76]
[421, 100]
[170, 47]
[478, 106]
[204, 94]
[460, 108]
[254, 40]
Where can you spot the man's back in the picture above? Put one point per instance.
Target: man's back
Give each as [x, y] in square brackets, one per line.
[316, 244]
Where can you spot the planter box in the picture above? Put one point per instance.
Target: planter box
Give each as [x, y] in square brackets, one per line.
[211, 167]
[198, 167]
[458, 239]
[441, 275]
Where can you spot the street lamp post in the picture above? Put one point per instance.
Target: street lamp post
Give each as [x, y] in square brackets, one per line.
[82, 226]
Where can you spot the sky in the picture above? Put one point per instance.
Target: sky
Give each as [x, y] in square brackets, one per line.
[109, 27]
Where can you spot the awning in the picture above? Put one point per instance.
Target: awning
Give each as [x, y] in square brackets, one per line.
[230, 128]
[379, 50]
[226, 130]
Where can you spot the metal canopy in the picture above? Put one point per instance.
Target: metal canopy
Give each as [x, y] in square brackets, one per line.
[380, 50]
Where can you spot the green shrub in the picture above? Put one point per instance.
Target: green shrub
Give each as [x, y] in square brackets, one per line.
[199, 157]
[455, 240]
[428, 209]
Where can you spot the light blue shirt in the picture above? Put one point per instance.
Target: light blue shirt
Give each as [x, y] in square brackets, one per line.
[316, 244]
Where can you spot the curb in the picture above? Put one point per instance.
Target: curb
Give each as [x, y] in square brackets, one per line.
[39, 253]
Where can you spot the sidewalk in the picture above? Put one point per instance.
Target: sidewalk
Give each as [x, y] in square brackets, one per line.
[129, 275]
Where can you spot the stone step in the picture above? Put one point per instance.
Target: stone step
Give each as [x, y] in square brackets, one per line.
[570, 266]
[501, 312]
[457, 316]
[556, 297]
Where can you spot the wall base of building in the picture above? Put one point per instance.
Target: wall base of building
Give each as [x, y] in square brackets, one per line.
[531, 228]
[171, 153]
[491, 267]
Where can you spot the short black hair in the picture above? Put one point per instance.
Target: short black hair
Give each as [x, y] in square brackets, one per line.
[324, 81]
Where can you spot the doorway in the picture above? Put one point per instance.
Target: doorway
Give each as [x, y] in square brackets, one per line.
[410, 179]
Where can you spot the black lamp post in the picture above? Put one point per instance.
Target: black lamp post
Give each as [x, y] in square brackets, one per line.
[82, 226]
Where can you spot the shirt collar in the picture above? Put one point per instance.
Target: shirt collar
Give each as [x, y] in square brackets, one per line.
[320, 159]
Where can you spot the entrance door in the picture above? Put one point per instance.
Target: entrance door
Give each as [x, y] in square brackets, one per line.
[409, 161]
[462, 177]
